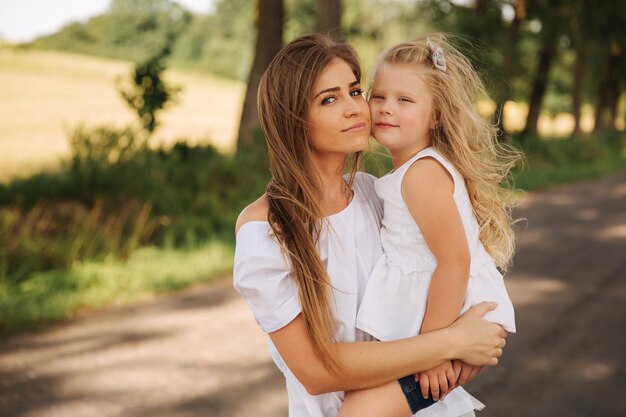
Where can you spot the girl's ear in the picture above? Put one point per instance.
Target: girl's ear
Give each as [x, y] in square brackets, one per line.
[435, 121]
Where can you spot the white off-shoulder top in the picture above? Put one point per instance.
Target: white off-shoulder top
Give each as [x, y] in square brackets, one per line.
[349, 246]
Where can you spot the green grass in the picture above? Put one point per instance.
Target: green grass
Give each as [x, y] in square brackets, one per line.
[554, 162]
[56, 295]
[542, 178]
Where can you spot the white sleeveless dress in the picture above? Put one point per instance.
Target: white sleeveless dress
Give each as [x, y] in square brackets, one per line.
[394, 302]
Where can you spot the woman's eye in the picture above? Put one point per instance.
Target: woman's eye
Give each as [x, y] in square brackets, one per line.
[328, 100]
[357, 92]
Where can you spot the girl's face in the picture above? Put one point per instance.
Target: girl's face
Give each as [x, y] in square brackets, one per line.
[402, 109]
[338, 115]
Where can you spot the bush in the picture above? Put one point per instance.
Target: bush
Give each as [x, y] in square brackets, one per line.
[56, 235]
[116, 194]
[557, 161]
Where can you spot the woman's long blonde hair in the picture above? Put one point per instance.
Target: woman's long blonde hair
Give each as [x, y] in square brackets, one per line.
[465, 138]
[295, 190]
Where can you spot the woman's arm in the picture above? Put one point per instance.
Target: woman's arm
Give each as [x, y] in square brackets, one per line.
[370, 364]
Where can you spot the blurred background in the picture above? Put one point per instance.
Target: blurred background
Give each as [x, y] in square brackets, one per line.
[129, 139]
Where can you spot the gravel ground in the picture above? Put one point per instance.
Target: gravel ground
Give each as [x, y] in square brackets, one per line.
[200, 353]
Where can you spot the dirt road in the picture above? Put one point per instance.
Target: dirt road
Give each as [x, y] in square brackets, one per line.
[200, 353]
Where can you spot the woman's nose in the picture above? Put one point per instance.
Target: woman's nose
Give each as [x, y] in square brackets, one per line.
[353, 108]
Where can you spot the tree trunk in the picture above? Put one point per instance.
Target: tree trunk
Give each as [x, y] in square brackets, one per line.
[507, 63]
[521, 7]
[329, 17]
[601, 105]
[604, 94]
[579, 72]
[615, 57]
[546, 57]
[481, 7]
[613, 101]
[269, 23]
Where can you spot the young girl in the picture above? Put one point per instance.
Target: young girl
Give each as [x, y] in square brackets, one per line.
[446, 226]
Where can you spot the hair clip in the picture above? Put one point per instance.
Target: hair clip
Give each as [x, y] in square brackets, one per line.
[439, 59]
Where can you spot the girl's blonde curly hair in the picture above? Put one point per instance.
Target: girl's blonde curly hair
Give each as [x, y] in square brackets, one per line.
[464, 137]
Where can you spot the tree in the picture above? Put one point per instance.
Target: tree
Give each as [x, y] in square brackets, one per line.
[141, 6]
[608, 30]
[148, 93]
[550, 16]
[547, 53]
[608, 91]
[509, 60]
[269, 24]
[328, 16]
[155, 25]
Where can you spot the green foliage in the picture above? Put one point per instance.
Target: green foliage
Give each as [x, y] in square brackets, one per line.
[130, 31]
[54, 235]
[118, 193]
[195, 191]
[149, 93]
[55, 295]
[559, 161]
[220, 43]
[65, 237]
[103, 158]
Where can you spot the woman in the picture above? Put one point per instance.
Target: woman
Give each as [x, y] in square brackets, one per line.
[306, 247]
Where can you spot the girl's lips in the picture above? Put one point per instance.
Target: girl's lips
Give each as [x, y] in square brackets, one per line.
[356, 128]
[384, 125]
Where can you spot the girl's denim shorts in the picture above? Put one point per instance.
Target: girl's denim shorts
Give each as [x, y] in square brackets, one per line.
[413, 394]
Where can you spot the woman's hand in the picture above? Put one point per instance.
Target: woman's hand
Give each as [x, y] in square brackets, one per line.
[464, 372]
[478, 341]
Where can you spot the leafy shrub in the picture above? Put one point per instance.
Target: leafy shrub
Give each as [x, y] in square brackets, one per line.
[116, 193]
[56, 235]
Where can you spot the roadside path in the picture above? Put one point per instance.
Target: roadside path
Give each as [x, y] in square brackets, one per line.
[200, 353]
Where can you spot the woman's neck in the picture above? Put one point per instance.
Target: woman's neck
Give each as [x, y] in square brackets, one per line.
[335, 192]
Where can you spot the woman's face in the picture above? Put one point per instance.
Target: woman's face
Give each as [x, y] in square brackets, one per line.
[338, 115]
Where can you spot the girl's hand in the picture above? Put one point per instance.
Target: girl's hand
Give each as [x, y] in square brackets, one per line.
[479, 342]
[464, 372]
[457, 366]
[440, 380]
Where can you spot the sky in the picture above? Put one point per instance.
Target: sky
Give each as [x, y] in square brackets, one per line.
[24, 20]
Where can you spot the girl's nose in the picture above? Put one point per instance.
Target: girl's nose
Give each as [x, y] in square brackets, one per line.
[385, 108]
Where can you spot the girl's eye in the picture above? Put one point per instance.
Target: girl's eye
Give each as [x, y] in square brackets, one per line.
[405, 100]
[328, 100]
[377, 97]
[356, 93]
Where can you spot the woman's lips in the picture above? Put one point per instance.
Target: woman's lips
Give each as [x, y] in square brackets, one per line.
[356, 128]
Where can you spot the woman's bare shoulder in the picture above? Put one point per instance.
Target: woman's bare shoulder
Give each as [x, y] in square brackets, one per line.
[256, 211]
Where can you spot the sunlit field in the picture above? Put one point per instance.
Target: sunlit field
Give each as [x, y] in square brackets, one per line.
[44, 94]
